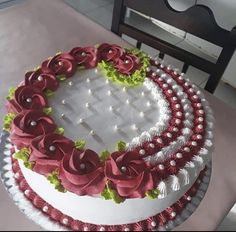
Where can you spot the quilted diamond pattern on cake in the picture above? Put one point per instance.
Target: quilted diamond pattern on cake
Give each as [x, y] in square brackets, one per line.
[102, 107]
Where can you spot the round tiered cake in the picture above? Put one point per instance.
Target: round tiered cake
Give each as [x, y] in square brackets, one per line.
[107, 138]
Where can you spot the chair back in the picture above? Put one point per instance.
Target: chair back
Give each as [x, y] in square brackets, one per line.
[197, 20]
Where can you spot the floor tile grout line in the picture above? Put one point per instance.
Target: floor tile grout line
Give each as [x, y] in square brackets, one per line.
[85, 12]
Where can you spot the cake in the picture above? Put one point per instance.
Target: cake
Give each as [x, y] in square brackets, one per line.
[107, 138]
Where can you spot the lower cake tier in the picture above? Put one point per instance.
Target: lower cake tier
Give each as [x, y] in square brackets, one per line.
[90, 213]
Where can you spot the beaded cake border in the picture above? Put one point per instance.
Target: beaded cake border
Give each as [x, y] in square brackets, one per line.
[35, 208]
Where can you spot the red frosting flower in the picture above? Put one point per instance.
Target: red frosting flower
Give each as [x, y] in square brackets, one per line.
[29, 124]
[82, 173]
[86, 57]
[43, 78]
[61, 64]
[129, 174]
[48, 150]
[110, 52]
[27, 97]
[128, 64]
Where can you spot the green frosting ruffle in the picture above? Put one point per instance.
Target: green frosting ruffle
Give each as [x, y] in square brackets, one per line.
[137, 78]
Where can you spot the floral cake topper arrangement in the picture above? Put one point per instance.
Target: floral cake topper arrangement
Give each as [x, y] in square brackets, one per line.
[124, 66]
[70, 165]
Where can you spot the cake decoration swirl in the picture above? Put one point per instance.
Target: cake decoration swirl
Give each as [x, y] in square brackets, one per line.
[42, 78]
[48, 150]
[82, 172]
[63, 64]
[26, 98]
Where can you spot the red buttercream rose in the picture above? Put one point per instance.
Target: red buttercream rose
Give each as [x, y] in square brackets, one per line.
[86, 57]
[110, 52]
[127, 64]
[29, 124]
[48, 150]
[27, 97]
[43, 78]
[129, 174]
[61, 64]
[82, 173]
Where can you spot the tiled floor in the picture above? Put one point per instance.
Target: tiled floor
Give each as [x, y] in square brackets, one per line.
[101, 12]
[94, 10]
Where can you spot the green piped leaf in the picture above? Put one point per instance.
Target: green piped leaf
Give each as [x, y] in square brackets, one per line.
[81, 67]
[110, 194]
[22, 154]
[60, 188]
[80, 144]
[61, 77]
[54, 180]
[49, 93]
[121, 146]
[104, 155]
[29, 165]
[152, 194]
[47, 110]
[60, 130]
[11, 93]
[7, 121]
[135, 79]
[37, 68]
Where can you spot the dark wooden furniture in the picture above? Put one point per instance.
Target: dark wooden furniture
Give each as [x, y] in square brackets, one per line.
[198, 20]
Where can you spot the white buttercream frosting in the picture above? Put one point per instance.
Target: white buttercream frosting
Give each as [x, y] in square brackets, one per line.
[164, 116]
[183, 177]
[163, 189]
[174, 182]
[88, 209]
